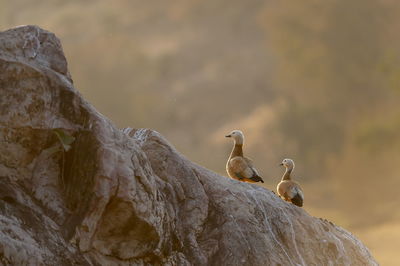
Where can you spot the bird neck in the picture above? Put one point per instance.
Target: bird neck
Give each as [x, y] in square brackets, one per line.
[286, 175]
[237, 150]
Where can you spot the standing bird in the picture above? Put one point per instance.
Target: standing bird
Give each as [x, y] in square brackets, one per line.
[288, 189]
[239, 167]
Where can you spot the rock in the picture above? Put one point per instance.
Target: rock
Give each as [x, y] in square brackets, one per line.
[127, 197]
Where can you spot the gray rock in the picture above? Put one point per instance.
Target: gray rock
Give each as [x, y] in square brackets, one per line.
[127, 197]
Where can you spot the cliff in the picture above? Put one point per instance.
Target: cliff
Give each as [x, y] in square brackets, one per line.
[76, 190]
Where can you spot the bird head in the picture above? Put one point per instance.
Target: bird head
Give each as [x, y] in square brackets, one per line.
[237, 136]
[288, 163]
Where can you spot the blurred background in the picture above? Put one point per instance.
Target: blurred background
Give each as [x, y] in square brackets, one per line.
[315, 81]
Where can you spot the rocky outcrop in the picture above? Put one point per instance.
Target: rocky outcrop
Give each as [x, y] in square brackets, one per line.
[76, 190]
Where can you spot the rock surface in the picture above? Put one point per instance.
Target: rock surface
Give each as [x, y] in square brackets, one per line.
[127, 197]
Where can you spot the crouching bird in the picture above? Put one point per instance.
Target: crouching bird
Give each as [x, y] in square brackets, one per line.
[239, 167]
[288, 189]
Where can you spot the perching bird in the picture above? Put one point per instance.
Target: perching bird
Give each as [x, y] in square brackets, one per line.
[288, 189]
[238, 166]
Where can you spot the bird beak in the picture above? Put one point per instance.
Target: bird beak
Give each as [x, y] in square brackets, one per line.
[228, 136]
[281, 164]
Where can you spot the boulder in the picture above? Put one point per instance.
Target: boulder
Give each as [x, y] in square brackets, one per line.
[76, 190]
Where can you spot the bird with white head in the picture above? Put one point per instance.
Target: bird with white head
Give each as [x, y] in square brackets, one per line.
[288, 189]
[239, 167]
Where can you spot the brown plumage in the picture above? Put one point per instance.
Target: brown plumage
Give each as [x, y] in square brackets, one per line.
[238, 166]
[287, 188]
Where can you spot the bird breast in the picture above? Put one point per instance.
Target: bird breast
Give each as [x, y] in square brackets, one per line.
[287, 189]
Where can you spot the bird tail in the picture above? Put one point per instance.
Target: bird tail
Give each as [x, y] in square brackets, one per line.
[297, 200]
[257, 178]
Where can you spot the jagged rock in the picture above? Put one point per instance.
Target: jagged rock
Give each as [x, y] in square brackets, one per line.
[127, 197]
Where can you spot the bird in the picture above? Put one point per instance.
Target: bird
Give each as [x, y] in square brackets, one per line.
[239, 167]
[287, 188]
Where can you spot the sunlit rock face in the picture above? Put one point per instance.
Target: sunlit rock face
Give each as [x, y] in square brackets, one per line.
[76, 190]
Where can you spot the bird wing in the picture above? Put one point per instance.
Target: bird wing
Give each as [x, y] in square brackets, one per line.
[240, 167]
[299, 192]
[250, 164]
[296, 190]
